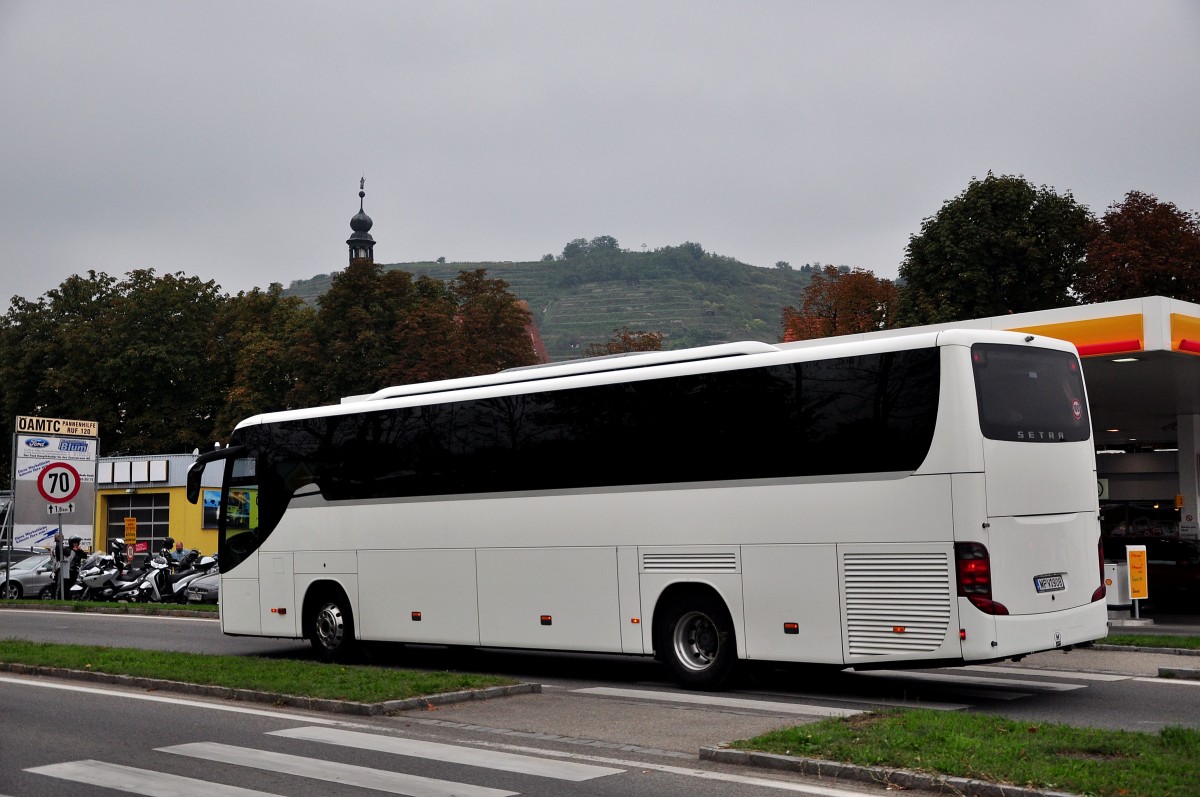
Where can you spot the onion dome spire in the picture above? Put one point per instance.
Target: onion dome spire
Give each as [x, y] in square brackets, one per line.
[362, 245]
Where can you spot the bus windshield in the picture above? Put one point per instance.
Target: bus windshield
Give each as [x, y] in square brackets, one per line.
[1029, 395]
[240, 521]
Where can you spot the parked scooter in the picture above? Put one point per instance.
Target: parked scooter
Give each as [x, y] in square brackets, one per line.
[160, 585]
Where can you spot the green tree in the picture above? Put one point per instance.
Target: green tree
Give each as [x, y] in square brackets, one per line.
[1143, 247]
[269, 348]
[1002, 246]
[356, 323]
[160, 362]
[493, 324]
[378, 328]
[136, 356]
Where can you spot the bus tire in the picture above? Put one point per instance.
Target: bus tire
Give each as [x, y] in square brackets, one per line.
[696, 641]
[331, 629]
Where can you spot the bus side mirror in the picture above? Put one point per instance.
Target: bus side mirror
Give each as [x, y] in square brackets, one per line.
[194, 474]
[196, 471]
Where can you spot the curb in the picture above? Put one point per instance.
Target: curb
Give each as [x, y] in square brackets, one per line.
[1142, 649]
[893, 778]
[1181, 673]
[274, 698]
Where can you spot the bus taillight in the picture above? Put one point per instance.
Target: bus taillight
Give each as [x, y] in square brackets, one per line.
[974, 569]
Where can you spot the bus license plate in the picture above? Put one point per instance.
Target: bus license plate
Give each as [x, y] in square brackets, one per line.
[1052, 583]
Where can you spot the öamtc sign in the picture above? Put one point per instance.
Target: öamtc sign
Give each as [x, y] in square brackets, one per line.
[28, 424]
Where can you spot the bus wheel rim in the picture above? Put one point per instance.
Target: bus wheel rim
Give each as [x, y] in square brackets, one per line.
[330, 626]
[696, 641]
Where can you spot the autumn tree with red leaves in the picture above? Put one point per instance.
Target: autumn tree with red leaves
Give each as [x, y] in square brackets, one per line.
[1142, 247]
[841, 303]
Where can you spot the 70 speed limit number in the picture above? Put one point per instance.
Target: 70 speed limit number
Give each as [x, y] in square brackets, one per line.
[58, 482]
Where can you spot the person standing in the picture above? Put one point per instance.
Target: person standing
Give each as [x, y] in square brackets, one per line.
[74, 560]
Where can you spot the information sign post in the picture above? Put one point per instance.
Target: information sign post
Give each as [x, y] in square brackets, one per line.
[54, 480]
[1139, 579]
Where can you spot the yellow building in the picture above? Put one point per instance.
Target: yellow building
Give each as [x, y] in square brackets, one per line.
[145, 496]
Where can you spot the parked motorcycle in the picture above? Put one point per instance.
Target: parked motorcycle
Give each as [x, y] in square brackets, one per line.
[160, 585]
[99, 579]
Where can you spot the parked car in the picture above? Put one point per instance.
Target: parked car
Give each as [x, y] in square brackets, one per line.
[18, 554]
[1172, 565]
[204, 589]
[28, 578]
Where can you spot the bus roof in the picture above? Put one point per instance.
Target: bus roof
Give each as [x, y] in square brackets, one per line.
[648, 365]
[587, 365]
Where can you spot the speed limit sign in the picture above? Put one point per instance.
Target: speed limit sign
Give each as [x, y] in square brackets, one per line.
[58, 482]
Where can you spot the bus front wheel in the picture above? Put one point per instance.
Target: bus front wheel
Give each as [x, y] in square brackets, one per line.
[696, 641]
[332, 628]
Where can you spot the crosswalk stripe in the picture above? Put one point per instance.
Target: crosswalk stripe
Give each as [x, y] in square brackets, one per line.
[333, 771]
[147, 782]
[721, 702]
[454, 754]
[1082, 676]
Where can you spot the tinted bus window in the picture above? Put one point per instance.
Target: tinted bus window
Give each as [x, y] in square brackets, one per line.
[867, 414]
[1029, 395]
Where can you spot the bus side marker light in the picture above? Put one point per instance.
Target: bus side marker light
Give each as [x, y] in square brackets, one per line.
[791, 628]
[898, 629]
[962, 633]
[547, 619]
[635, 620]
[280, 611]
[416, 617]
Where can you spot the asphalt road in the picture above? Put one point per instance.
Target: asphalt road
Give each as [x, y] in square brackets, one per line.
[66, 740]
[1084, 687]
[614, 723]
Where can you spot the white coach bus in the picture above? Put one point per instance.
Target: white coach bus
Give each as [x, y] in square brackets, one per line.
[918, 500]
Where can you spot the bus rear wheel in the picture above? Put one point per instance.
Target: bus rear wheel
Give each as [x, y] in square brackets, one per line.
[696, 641]
[332, 628]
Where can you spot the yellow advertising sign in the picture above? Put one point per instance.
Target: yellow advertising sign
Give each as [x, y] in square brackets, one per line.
[27, 424]
[1139, 581]
[130, 531]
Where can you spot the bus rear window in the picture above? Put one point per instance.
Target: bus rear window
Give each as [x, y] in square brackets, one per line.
[1029, 395]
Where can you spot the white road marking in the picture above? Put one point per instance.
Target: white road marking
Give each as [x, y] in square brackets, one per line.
[776, 707]
[1082, 676]
[1175, 681]
[148, 782]
[333, 771]
[455, 754]
[689, 772]
[1049, 686]
[154, 698]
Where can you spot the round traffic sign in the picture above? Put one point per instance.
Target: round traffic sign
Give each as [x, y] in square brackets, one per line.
[58, 482]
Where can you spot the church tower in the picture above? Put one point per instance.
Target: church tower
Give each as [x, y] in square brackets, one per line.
[362, 245]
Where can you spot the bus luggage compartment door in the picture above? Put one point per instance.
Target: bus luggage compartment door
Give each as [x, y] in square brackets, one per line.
[549, 598]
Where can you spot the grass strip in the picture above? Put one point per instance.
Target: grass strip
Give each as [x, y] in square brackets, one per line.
[357, 683]
[1090, 761]
[1153, 641]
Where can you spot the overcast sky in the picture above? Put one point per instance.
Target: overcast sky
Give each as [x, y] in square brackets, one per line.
[226, 139]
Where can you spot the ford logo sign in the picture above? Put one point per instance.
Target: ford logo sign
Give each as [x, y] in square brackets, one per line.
[37, 442]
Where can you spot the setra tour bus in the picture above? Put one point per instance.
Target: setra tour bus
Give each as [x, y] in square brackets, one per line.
[918, 500]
